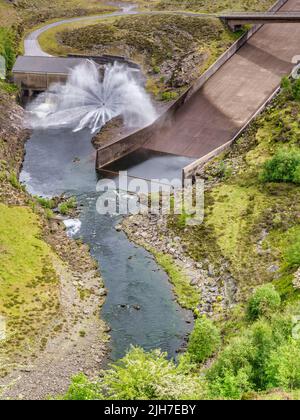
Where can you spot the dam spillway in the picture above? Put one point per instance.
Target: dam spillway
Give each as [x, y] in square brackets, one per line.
[209, 116]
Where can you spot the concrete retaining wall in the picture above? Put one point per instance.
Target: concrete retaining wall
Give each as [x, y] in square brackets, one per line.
[122, 147]
[38, 81]
[128, 144]
[230, 52]
[192, 169]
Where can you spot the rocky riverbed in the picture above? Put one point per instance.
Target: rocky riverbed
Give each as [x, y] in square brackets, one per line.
[217, 288]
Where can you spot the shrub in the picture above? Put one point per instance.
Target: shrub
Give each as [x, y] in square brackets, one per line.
[67, 206]
[283, 368]
[9, 88]
[291, 88]
[232, 386]
[264, 342]
[264, 301]
[81, 389]
[156, 69]
[242, 366]
[49, 214]
[231, 375]
[283, 167]
[204, 340]
[139, 375]
[292, 254]
[7, 47]
[286, 84]
[46, 203]
[169, 96]
[13, 179]
[296, 177]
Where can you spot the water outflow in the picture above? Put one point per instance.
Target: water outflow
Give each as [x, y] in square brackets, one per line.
[88, 100]
[130, 273]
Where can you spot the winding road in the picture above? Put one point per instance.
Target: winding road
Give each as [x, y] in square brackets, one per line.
[31, 43]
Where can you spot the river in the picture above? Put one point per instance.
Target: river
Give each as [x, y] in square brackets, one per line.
[140, 307]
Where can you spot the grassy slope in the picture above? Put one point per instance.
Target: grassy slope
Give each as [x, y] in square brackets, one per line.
[251, 225]
[8, 14]
[173, 50]
[36, 11]
[48, 40]
[159, 36]
[215, 5]
[204, 6]
[29, 286]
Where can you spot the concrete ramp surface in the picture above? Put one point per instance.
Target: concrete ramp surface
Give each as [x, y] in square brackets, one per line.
[225, 103]
[215, 113]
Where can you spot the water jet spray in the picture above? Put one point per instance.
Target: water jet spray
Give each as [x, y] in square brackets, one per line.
[90, 100]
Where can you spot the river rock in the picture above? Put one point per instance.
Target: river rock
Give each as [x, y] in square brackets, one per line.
[273, 268]
[102, 292]
[211, 271]
[296, 282]
[194, 282]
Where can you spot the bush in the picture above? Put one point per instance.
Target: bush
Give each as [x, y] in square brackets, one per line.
[46, 203]
[81, 389]
[296, 177]
[204, 340]
[231, 375]
[169, 96]
[13, 179]
[283, 369]
[140, 375]
[265, 301]
[66, 207]
[292, 254]
[7, 47]
[291, 88]
[283, 167]
[242, 366]
[263, 340]
[232, 386]
[49, 214]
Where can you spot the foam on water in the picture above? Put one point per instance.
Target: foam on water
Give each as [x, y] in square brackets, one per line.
[73, 226]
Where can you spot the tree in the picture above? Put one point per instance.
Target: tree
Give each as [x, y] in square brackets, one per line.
[265, 301]
[204, 340]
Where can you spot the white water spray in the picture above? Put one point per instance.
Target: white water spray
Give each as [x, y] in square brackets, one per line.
[89, 101]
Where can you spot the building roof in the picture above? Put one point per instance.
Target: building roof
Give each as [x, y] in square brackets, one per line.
[53, 65]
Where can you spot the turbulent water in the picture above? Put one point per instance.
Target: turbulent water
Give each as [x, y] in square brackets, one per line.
[89, 100]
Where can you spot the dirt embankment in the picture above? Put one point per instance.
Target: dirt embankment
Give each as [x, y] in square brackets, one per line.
[50, 289]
